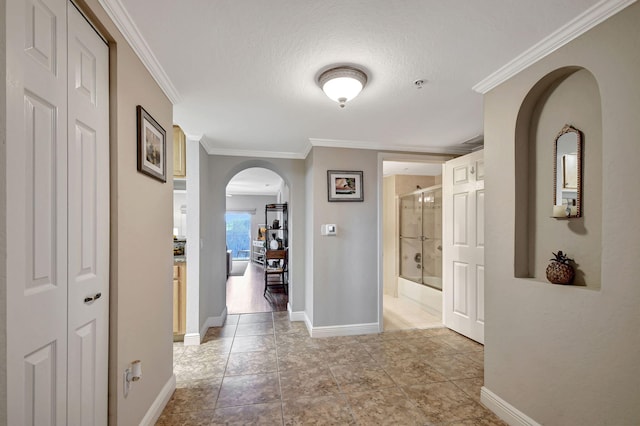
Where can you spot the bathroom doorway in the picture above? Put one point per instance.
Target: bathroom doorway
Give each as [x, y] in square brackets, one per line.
[412, 245]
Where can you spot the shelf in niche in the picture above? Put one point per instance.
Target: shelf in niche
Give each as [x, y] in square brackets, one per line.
[565, 218]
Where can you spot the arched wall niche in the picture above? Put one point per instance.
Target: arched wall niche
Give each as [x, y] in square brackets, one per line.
[568, 95]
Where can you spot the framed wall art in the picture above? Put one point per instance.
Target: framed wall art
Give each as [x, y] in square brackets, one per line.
[152, 146]
[345, 185]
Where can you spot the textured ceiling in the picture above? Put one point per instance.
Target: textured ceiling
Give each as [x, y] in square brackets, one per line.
[245, 71]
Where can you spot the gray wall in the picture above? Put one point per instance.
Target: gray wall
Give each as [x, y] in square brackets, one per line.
[345, 267]
[308, 227]
[565, 354]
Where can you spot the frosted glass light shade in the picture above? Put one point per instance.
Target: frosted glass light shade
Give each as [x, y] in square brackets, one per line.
[342, 84]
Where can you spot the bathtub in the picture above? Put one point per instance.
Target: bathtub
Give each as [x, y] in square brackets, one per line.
[428, 298]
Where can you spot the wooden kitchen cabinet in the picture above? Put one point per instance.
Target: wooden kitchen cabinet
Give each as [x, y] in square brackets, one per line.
[179, 299]
[179, 153]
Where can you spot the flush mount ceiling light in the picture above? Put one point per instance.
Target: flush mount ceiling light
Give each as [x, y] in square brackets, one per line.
[342, 84]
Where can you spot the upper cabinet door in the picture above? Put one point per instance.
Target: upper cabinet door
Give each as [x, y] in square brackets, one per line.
[179, 153]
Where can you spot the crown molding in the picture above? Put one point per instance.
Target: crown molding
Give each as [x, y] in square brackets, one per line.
[334, 143]
[121, 18]
[596, 14]
[331, 143]
[212, 150]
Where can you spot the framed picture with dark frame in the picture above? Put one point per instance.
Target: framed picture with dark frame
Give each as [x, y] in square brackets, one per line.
[152, 146]
[344, 185]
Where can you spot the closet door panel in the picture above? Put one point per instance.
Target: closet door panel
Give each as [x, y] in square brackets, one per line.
[88, 129]
[36, 188]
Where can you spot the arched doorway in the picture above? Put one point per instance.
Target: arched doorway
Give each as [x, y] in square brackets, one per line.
[247, 194]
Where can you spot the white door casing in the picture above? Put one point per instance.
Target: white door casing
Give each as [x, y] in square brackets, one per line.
[88, 226]
[37, 215]
[463, 245]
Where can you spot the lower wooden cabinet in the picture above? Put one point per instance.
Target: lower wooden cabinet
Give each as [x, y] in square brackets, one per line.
[179, 299]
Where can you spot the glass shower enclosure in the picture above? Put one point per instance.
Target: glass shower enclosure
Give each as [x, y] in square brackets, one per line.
[421, 236]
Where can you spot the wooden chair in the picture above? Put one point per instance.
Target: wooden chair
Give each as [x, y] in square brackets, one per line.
[275, 266]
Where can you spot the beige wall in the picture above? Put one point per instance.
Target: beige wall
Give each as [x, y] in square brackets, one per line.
[564, 354]
[3, 220]
[407, 183]
[141, 236]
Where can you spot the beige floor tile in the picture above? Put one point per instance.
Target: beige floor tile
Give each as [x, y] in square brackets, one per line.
[253, 344]
[220, 345]
[385, 407]
[388, 350]
[348, 355]
[255, 318]
[307, 383]
[456, 366]
[277, 316]
[412, 371]
[216, 332]
[287, 327]
[477, 356]
[194, 396]
[444, 402]
[361, 378]
[323, 410]
[188, 369]
[192, 418]
[254, 329]
[255, 368]
[459, 342]
[251, 389]
[470, 386]
[243, 363]
[300, 359]
[262, 414]
[492, 420]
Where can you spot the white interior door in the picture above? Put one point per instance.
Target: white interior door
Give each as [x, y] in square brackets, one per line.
[55, 198]
[463, 245]
[37, 211]
[88, 228]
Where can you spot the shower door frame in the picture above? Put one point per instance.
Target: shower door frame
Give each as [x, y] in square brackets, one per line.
[422, 238]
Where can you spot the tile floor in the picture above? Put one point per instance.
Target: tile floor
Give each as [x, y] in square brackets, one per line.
[263, 369]
[400, 313]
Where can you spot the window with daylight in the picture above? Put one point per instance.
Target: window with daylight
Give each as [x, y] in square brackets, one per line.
[238, 235]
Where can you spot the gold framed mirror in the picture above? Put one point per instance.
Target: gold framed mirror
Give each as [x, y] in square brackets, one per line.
[567, 173]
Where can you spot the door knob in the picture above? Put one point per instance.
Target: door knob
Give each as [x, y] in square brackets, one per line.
[91, 299]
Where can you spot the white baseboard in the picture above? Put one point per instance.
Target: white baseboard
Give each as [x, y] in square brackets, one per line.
[295, 316]
[154, 412]
[334, 330]
[504, 410]
[194, 339]
[343, 330]
[191, 339]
